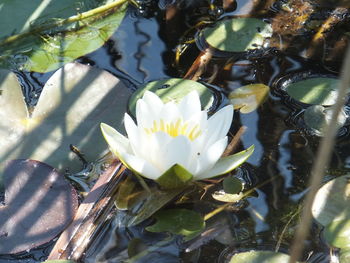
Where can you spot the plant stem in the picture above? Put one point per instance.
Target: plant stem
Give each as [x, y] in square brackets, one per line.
[49, 25]
[321, 163]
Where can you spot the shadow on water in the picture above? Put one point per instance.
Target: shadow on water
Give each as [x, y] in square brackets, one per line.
[25, 148]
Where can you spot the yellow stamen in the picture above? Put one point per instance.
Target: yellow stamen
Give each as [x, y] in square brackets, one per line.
[175, 128]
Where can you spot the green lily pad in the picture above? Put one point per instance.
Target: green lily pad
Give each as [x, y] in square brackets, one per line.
[248, 98]
[175, 177]
[71, 106]
[318, 91]
[316, 117]
[232, 185]
[173, 89]
[50, 49]
[238, 34]
[332, 201]
[344, 256]
[178, 221]
[144, 204]
[39, 203]
[18, 16]
[256, 256]
[337, 233]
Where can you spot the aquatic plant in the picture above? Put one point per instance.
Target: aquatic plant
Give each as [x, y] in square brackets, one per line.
[175, 139]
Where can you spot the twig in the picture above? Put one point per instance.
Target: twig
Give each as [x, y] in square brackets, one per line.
[322, 161]
[90, 216]
[234, 142]
[199, 65]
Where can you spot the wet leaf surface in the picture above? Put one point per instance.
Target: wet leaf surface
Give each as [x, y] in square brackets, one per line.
[248, 98]
[256, 256]
[147, 204]
[317, 116]
[39, 204]
[72, 104]
[337, 233]
[173, 89]
[18, 16]
[344, 256]
[175, 177]
[332, 201]
[319, 90]
[40, 53]
[178, 221]
[238, 34]
[232, 185]
[228, 198]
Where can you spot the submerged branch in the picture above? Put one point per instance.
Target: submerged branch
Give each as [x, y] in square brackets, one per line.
[90, 216]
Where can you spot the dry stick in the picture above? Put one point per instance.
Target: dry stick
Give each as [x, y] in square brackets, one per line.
[322, 161]
[234, 142]
[90, 216]
[199, 65]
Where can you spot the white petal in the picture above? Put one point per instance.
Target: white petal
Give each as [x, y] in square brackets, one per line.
[140, 166]
[170, 112]
[136, 138]
[156, 149]
[218, 125]
[116, 141]
[190, 105]
[143, 115]
[227, 164]
[178, 151]
[207, 160]
[153, 102]
[130, 127]
[200, 119]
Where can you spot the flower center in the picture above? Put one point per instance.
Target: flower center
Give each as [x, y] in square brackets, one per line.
[175, 128]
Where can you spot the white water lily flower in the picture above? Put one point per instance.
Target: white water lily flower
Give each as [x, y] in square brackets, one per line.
[169, 134]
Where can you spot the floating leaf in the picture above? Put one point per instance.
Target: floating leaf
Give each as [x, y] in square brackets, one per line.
[125, 193]
[57, 45]
[175, 177]
[173, 89]
[248, 98]
[178, 221]
[71, 106]
[39, 204]
[337, 233]
[319, 91]
[238, 34]
[232, 185]
[228, 198]
[255, 256]
[332, 201]
[316, 117]
[344, 256]
[147, 204]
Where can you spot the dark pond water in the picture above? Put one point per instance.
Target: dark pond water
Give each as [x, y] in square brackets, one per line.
[142, 50]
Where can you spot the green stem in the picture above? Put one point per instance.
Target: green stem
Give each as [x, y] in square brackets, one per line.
[247, 193]
[101, 9]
